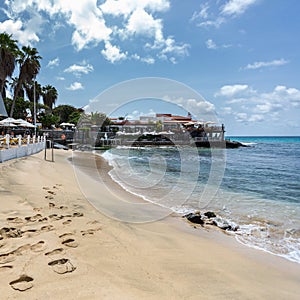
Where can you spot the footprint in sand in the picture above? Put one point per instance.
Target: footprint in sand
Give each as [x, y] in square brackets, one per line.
[56, 217]
[93, 222]
[62, 266]
[54, 252]
[23, 283]
[7, 257]
[89, 231]
[5, 268]
[33, 218]
[37, 209]
[51, 204]
[46, 188]
[47, 228]
[51, 192]
[10, 232]
[21, 249]
[29, 230]
[68, 240]
[77, 214]
[67, 222]
[16, 220]
[70, 243]
[38, 247]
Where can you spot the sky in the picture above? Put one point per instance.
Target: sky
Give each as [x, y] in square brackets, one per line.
[241, 56]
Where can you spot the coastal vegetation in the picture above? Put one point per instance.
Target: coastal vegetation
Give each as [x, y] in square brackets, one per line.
[25, 62]
[19, 68]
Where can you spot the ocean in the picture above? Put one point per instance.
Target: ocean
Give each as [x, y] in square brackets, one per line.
[256, 188]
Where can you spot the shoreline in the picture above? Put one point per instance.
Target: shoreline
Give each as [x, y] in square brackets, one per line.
[165, 259]
[115, 185]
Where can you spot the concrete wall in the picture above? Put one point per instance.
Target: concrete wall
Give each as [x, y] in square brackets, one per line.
[21, 151]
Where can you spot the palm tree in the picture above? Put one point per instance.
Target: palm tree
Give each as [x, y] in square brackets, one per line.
[8, 53]
[33, 89]
[13, 84]
[29, 65]
[49, 94]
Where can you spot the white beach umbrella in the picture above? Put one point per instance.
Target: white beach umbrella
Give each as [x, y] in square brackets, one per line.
[67, 124]
[8, 125]
[27, 124]
[23, 123]
[8, 120]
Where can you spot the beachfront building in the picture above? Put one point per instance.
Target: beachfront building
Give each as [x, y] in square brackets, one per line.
[162, 128]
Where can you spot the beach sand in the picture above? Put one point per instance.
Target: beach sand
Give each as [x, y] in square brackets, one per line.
[55, 245]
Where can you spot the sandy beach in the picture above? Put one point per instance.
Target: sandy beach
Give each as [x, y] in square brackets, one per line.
[55, 244]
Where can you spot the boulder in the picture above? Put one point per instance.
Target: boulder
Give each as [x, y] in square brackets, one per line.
[210, 214]
[194, 218]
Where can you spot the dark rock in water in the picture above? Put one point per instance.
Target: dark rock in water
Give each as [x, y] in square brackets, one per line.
[194, 218]
[225, 225]
[210, 214]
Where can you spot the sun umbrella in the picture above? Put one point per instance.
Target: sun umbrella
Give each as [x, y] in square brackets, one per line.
[24, 123]
[8, 125]
[67, 124]
[8, 120]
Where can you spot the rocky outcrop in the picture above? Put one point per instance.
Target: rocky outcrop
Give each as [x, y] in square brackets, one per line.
[210, 218]
[195, 218]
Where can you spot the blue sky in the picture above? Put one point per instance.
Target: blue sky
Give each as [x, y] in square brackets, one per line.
[242, 56]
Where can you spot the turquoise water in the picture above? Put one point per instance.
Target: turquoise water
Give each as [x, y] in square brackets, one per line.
[255, 187]
[265, 139]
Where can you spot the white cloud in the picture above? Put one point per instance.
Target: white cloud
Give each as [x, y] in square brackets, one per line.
[203, 13]
[210, 44]
[137, 21]
[199, 108]
[260, 107]
[256, 118]
[136, 114]
[216, 18]
[212, 23]
[169, 48]
[263, 64]
[232, 90]
[60, 78]
[148, 60]
[25, 33]
[236, 7]
[126, 7]
[53, 63]
[75, 86]
[113, 53]
[78, 70]
[284, 95]
[143, 23]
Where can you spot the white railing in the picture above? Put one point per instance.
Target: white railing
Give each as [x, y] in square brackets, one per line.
[18, 147]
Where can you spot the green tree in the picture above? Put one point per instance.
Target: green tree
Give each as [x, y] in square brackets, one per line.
[48, 119]
[29, 67]
[8, 53]
[49, 94]
[75, 117]
[20, 107]
[64, 112]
